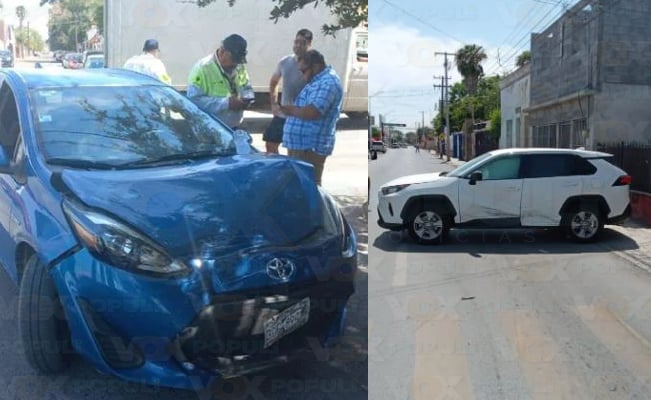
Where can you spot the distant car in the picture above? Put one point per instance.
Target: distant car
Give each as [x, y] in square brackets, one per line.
[6, 58]
[576, 190]
[72, 61]
[88, 53]
[154, 241]
[59, 54]
[94, 61]
[395, 145]
[378, 145]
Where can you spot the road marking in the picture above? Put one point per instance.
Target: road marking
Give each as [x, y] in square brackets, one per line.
[539, 357]
[440, 366]
[400, 272]
[626, 344]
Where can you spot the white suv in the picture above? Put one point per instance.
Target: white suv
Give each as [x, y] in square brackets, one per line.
[577, 190]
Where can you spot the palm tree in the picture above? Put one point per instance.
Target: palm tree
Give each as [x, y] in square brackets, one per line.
[20, 13]
[468, 60]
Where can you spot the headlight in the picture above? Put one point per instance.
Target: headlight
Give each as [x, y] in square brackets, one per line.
[393, 189]
[118, 245]
[349, 244]
[348, 239]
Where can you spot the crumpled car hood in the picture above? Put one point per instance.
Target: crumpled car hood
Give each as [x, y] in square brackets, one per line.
[233, 202]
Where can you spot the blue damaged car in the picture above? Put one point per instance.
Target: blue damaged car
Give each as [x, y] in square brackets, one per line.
[152, 240]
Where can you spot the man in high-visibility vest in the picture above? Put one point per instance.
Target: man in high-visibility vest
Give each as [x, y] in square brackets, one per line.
[149, 62]
[219, 83]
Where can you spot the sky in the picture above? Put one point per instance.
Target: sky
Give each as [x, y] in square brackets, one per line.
[36, 15]
[406, 34]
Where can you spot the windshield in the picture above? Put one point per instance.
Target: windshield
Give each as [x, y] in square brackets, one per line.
[464, 169]
[124, 125]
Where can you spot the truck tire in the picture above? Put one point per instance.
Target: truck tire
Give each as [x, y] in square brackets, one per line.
[43, 330]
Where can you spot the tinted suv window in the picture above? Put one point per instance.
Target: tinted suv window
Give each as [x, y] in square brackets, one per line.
[550, 165]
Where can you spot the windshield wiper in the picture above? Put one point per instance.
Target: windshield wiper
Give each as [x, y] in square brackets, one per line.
[182, 157]
[76, 163]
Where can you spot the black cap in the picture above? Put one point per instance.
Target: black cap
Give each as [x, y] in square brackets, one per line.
[150, 44]
[236, 45]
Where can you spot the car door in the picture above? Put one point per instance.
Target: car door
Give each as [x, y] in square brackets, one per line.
[494, 200]
[9, 137]
[549, 180]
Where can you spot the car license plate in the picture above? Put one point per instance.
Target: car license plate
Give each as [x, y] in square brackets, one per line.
[286, 321]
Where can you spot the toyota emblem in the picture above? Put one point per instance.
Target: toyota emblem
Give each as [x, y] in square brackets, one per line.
[281, 269]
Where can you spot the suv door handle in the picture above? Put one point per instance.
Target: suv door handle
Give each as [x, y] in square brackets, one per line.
[512, 189]
[570, 184]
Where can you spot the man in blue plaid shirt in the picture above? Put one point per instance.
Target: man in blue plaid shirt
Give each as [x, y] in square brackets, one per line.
[309, 132]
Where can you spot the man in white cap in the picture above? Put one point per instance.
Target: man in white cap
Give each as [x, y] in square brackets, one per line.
[149, 62]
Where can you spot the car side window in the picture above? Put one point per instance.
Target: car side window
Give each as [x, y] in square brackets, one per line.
[501, 168]
[9, 122]
[552, 165]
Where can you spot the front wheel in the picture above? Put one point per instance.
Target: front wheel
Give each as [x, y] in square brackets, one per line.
[43, 329]
[584, 224]
[428, 226]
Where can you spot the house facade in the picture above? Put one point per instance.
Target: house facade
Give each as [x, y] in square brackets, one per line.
[6, 36]
[590, 76]
[514, 98]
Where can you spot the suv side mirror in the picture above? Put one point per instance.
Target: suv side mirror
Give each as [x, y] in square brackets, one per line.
[373, 155]
[476, 177]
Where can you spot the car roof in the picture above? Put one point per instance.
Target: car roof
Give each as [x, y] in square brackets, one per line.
[55, 78]
[543, 150]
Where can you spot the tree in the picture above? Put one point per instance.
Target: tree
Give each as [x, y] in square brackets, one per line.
[468, 60]
[70, 20]
[29, 39]
[495, 123]
[350, 13]
[21, 13]
[376, 134]
[523, 58]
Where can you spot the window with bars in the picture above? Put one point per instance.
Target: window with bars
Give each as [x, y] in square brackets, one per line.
[578, 127]
[565, 135]
[544, 136]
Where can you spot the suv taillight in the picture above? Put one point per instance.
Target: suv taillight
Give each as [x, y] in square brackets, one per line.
[623, 180]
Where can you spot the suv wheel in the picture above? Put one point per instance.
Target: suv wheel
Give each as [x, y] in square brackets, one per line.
[428, 225]
[584, 224]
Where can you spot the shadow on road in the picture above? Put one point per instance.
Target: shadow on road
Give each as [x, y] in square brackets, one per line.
[513, 241]
[352, 353]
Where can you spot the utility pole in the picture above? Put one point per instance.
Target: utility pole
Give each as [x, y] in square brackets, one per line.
[447, 108]
[444, 106]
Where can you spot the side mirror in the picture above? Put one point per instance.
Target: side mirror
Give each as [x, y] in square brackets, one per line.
[476, 177]
[373, 155]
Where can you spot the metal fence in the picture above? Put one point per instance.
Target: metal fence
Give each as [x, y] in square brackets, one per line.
[635, 159]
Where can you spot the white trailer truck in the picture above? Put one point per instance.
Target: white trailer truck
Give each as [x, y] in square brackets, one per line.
[187, 33]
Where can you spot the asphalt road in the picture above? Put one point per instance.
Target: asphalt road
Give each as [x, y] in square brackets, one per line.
[338, 375]
[505, 314]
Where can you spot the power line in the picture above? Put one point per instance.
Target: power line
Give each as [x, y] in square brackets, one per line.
[522, 24]
[495, 66]
[422, 21]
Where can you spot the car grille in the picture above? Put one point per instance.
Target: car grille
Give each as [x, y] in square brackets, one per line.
[229, 329]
